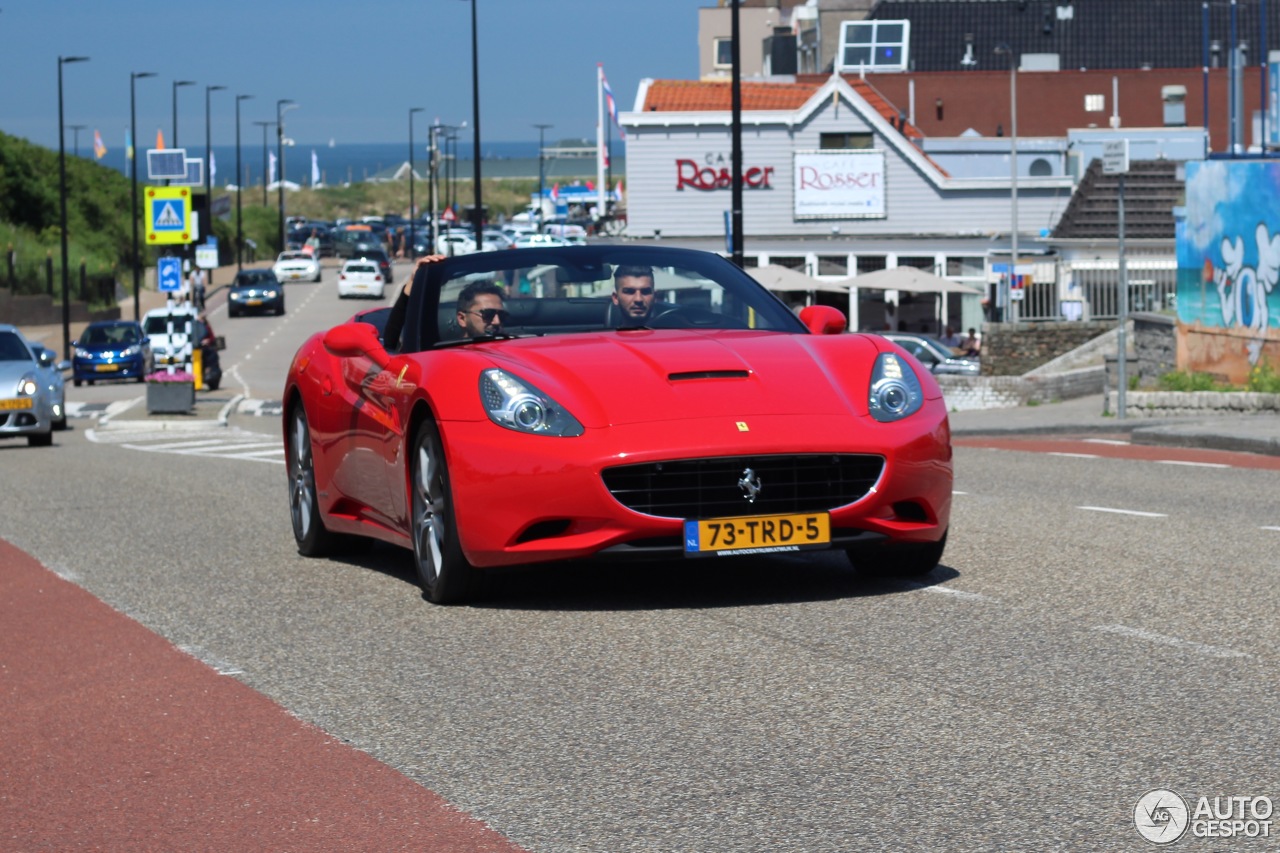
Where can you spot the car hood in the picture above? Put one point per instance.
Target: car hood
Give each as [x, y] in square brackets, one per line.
[11, 372]
[644, 376]
[98, 349]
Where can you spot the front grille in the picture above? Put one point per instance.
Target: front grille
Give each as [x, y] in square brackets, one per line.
[709, 488]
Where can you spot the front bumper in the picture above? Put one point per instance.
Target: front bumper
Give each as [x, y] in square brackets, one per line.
[96, 369]
[562, 509]
[36, 420]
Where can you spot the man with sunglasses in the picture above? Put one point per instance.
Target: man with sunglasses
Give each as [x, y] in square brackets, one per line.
[480, 309]
[633, 295]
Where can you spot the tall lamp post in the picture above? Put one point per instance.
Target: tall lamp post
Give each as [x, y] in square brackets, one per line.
[75, 137]
[239, 189]
[264, 125]
[207, 227]
[281, 106]
[735, 152]
[62, 197]
[413, 213]
[176, 84]
[541, 176]
[134, 76]
[1013, 183]
[477, 216]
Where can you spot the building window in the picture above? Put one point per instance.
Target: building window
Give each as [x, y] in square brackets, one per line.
[874, 45]
[870, 263]
[842, 141]
[833, 265]
[724, 53]
[1095, 103]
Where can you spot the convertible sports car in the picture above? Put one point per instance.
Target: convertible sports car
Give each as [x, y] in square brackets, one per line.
[711, 422]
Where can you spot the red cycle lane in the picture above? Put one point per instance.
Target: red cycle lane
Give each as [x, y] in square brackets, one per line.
[113, 739]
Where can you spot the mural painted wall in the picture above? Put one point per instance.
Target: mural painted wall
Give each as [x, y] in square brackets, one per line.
[1229, 268]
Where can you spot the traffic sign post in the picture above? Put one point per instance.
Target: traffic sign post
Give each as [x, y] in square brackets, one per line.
[169, 275]
[168, 214]
[1115, 161]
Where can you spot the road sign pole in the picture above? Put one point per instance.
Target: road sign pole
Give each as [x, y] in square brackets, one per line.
[1115, 161]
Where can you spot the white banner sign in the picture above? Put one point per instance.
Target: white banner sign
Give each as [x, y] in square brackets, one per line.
[839, 185]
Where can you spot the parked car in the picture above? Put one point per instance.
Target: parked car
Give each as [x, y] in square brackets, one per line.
[110, 349]
[169, 329]
[256, 291]
[720, 426]
[533, 241]
[361, 277]
[32, 393]
[296, 266]
[455, 243]
[936, 356]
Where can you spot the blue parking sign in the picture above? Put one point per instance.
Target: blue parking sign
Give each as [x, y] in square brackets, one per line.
[169, 274]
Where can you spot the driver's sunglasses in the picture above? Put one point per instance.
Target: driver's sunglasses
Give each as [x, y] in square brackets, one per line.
[632, 291]
[488, 314]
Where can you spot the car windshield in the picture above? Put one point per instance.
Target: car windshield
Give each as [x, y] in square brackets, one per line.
[366, 268]
[158, 324]
[244, 279]
[12, 348]
[556, 291]
[115, 333]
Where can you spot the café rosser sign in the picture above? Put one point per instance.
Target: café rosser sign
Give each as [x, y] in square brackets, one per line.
[839, 184]
[715, 174]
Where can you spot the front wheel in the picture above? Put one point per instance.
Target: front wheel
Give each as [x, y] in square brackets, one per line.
[443, 570]
[314, 540]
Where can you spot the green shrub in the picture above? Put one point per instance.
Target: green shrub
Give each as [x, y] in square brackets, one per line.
[1181, 380]
[1264, 379]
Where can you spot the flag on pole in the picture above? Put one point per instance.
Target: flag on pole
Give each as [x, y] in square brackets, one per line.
[613, 107]
[315, 168]
[555, 192]
[128, 144]
[617, 191]
[271, 167]
[99, 150]
[159, 139]
[213, 169]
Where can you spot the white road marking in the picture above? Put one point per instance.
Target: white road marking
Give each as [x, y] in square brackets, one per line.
[1114, 441]
[1075, 455]
[954, 593]
[1194, 464]
[1199, 648]
[1271, 528]
[1124, 511]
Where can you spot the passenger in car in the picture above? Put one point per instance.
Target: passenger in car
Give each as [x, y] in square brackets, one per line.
[633, 295]
[481, 309]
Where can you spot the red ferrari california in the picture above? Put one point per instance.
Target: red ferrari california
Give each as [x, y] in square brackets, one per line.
[607, 401]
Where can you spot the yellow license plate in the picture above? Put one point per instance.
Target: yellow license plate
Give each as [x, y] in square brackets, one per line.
[761, 534]
[20, 403]
[295, 275]
[106, 368]
[254, 302]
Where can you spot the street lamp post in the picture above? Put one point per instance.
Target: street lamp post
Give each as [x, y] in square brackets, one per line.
[433, 182]
[62, 197]
[75, 137]
[1013, 183]
[280, 111]
[264, 125]
[541, 176]
[413, 213]
[477, 215]
[239, 189]
[176, 84]
[134, 76]
[207, 227]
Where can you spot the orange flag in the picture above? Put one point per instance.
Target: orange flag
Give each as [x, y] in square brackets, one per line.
[159, 139]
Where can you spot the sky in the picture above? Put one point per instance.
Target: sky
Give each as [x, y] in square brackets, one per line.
[354, 68]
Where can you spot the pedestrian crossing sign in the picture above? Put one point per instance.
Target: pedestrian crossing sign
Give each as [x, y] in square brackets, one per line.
[168, 215]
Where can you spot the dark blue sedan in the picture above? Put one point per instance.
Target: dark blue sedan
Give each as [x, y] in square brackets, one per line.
[111, 349]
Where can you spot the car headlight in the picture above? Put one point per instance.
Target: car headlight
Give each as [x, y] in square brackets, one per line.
[895, 389]
[130, 352]
[270, 294]
[83, 353]
[27, 386]
[517, 405]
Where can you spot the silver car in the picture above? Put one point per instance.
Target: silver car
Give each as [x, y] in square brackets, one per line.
[32, 392]
[934, 354]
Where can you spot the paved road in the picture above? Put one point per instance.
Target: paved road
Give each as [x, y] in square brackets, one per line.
[1100, 627]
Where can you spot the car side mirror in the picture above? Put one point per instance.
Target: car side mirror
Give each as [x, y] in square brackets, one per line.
[351, 340]
[823, 319]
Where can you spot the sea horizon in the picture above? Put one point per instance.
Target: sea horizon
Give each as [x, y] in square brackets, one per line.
[341, 163]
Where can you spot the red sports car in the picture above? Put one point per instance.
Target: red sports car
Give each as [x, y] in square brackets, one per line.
[609, 400]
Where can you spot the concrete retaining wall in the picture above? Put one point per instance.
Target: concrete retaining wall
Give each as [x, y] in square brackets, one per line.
[1163, 404]
[965, 393]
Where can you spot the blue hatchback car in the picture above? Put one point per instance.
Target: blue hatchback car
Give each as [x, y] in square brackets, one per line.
[111, 349]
